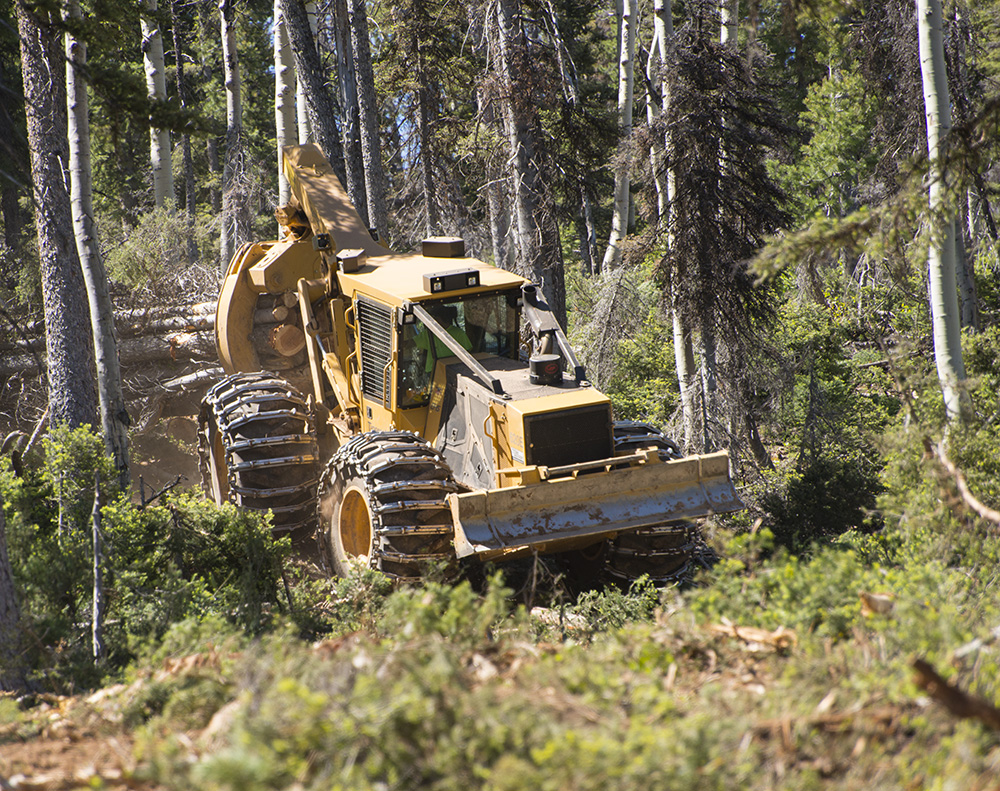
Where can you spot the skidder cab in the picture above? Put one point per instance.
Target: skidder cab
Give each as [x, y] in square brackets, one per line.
[445, 414]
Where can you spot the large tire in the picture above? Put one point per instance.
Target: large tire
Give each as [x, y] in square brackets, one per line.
[257, 449]
[383, 505]
[667, 552]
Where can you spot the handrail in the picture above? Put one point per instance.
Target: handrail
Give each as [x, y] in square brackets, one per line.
[456, 348]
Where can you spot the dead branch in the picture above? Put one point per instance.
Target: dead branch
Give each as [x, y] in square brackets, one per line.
[981, 510]
[959, 703]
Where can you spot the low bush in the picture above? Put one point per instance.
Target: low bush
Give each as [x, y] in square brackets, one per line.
[182, 558]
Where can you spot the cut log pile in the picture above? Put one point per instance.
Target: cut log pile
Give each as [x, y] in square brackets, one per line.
[158, 335]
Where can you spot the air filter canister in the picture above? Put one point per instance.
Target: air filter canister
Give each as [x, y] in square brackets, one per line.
[545, 369]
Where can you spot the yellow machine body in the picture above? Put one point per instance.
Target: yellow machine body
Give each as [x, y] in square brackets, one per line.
[336, 314]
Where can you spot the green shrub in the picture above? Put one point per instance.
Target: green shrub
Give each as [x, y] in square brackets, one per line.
[179, 559]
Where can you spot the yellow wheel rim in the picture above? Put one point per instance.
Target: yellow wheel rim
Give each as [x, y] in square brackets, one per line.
[355, 524]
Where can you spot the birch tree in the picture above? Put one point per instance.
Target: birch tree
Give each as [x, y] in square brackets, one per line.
[729, 13]
[114, 416]
[284, 98]
[309, 73]
[156, 88]
[941, 260]
[72, 397]
[664, 179]
[626, 77]
[235, 212]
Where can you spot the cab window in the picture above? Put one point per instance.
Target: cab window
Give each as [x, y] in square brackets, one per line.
[482, 324]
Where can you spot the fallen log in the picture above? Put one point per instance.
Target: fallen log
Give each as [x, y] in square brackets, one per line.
[172, 347]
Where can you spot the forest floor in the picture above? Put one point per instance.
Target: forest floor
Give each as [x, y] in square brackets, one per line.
[98, 739]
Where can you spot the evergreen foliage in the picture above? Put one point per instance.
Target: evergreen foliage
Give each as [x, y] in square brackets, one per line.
[183, 558]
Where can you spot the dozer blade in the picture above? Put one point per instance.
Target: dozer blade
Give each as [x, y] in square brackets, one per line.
[558, 514]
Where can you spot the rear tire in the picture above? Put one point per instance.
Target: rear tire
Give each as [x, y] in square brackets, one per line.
[257, 450]
[665, 553]
[383, 505]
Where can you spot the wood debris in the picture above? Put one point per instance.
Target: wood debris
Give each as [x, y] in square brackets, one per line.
[959, 703]
[757, 640]
[876, 603]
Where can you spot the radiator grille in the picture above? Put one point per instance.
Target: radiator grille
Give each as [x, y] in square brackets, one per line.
[576, 435]
[375, 332]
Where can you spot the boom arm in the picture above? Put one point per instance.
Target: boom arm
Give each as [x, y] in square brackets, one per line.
[325, 202]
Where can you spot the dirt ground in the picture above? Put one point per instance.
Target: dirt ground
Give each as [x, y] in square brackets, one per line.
[165, 454]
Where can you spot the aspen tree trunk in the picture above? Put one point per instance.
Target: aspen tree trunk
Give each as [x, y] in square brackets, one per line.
[729, 13]
[965, 275]
[350, 128]
[309, 72]
[12, 669]
[235, 212]
[626, 75]
[189, 188]
[156, 89]
[945, 316]
[114, 416]
[686, 376]
[284, 98]
[538, 254]
[97, 601]
[666, 184]
[72, 397]
[306, 134]
[371, 149]
[656, 66]
[588, 241]
[730, 17]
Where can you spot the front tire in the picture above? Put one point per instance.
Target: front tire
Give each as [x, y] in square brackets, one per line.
[383, 504]
[666, 552]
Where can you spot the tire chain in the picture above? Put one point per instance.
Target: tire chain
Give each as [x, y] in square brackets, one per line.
[268, 436]
[667, 553]
[406, 482]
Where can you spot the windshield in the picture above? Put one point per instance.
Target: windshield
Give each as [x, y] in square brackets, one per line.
[481, 323]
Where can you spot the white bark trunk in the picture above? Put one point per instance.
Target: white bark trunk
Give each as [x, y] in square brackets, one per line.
[626, 72]
[730, 16]
[156, 89]
[235, 230]
[686, 383]
[97, 602]
[945, 316]
[966, 277]
[709, 381]
[656, 66]
[114, 417]
[284, 98]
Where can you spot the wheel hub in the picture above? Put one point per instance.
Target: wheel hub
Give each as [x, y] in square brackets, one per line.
[355, 524]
